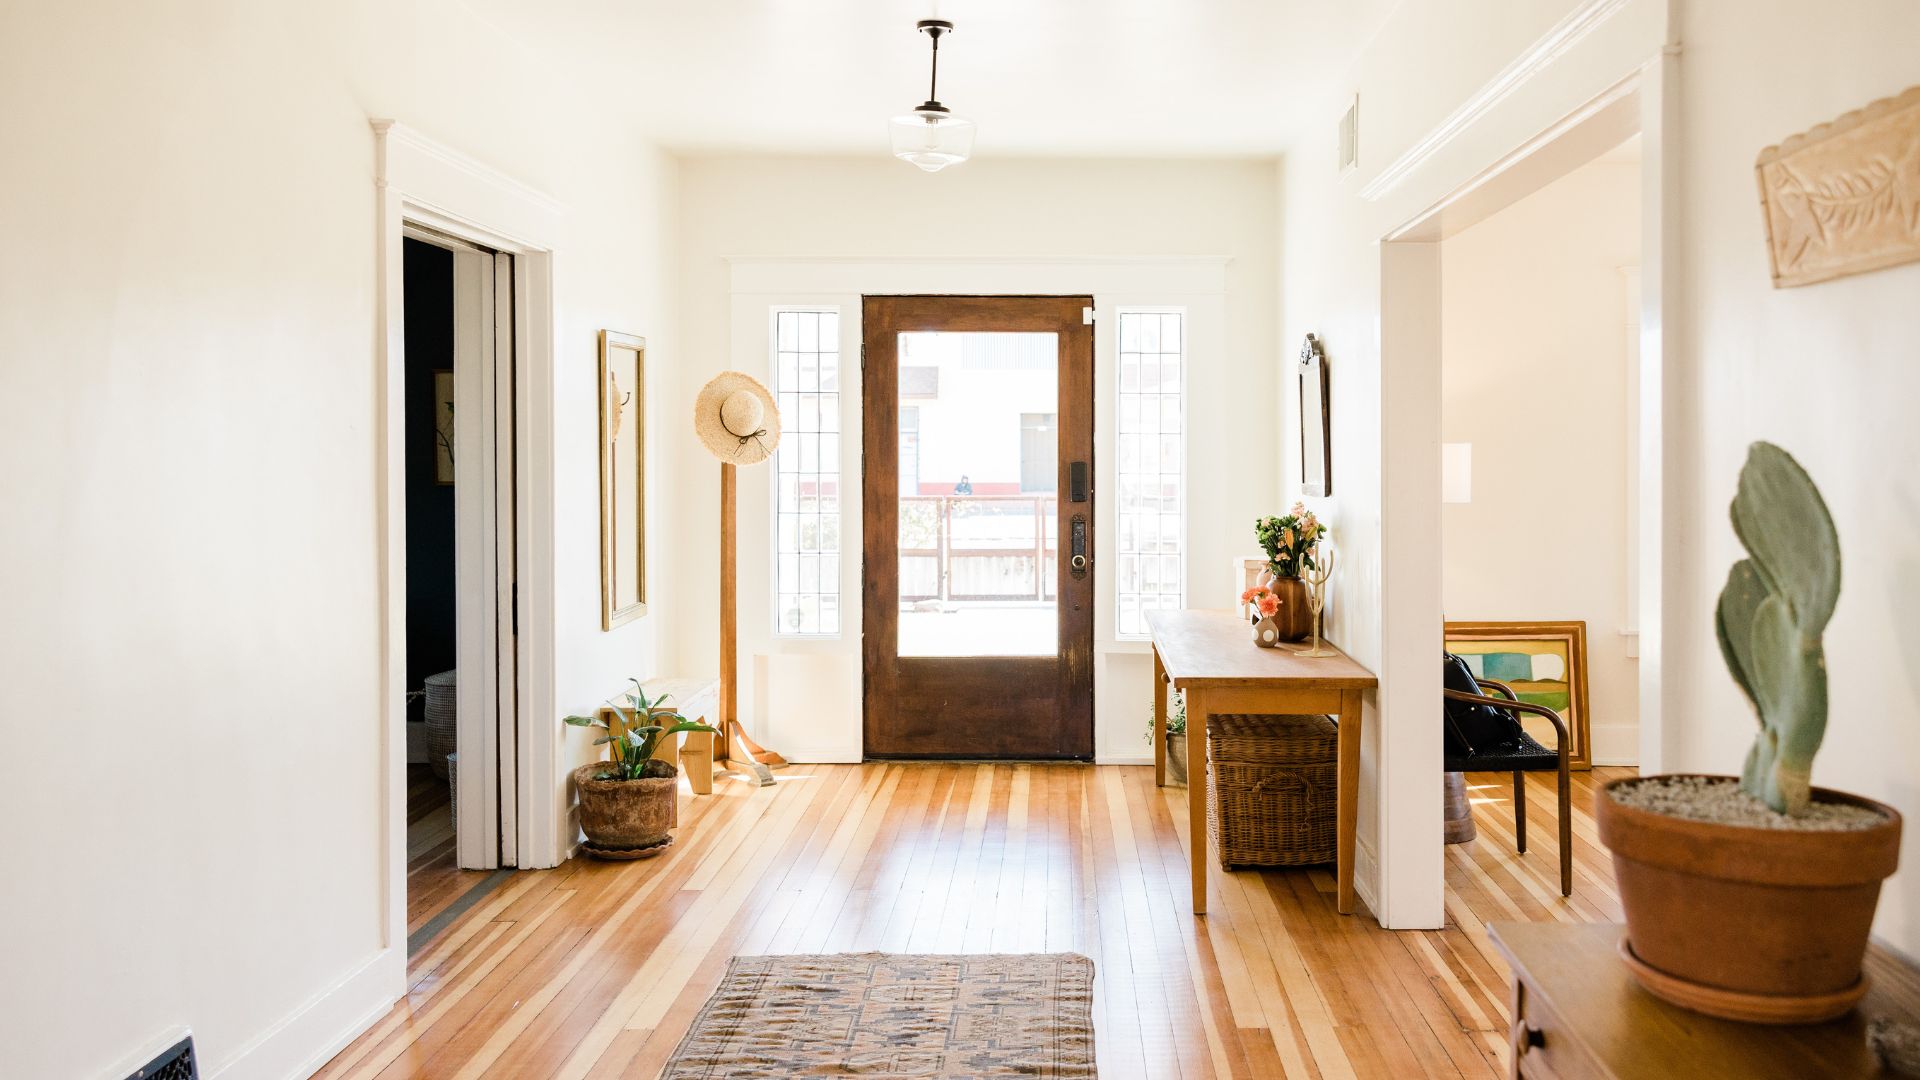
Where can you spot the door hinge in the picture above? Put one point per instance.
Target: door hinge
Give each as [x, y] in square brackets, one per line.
[863, 357]
[1086, 316]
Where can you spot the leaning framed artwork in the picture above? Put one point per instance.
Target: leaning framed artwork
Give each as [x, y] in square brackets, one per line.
[1545, 663]
[623, 478]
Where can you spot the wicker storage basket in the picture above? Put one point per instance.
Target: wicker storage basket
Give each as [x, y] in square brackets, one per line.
[1272, 782]
[442, 726]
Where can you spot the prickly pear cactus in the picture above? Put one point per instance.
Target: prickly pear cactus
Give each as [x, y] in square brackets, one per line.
[1772, 612]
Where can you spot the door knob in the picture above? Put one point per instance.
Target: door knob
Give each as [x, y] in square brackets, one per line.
[1079, 562]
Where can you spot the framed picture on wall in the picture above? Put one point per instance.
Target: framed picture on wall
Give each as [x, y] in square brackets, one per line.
[443, 426]
[1316, 436]
[623, 479]
[1545, 663]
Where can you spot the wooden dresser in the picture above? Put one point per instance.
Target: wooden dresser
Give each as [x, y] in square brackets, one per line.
[1577, 1013]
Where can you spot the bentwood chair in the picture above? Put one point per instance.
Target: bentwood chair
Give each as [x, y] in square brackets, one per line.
[1483, 734]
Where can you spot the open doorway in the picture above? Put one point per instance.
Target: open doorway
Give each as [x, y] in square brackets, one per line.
[1411, 329]
[460, 539]
[1538, 377]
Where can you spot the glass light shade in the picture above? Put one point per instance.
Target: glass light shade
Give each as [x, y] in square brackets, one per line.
[931, 139]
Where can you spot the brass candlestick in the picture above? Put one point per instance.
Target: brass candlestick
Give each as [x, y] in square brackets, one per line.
[1316, 582]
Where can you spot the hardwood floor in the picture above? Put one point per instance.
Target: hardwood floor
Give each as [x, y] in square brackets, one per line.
[595, 969]
[433, 880]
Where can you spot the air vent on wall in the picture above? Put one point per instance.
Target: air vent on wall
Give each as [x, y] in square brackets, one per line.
[1350, 137]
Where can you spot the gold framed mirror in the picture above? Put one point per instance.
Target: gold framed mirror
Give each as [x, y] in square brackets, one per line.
[623, 478]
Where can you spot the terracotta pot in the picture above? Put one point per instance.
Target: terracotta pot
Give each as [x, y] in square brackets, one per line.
[618, 814]
[1294, 620]
[1766, 925]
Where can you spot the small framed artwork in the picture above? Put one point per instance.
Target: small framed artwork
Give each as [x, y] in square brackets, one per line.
[443, 426]
[1316, 436]
[623, 479]
[1545, 663]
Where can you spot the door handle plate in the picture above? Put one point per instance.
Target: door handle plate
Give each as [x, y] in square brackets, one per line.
[1078, 549]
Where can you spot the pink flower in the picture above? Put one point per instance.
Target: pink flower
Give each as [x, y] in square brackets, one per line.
[1269, 604]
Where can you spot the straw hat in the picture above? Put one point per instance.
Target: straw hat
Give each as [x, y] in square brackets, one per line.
[736, 418]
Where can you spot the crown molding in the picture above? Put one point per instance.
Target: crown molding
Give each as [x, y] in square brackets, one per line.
[402, 147]
[1536, 58]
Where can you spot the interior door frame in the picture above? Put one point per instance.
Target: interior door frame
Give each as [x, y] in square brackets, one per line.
[883, 318]
[422, 182]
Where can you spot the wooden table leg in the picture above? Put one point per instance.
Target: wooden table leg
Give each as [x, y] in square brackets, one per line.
[1159, 721]
[1197, 796]
[1348, 798]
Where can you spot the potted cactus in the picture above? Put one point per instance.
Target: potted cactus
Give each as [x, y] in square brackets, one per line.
[628, 802]
[1751, 898]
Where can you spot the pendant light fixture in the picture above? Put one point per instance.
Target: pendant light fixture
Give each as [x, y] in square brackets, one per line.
[930, 136]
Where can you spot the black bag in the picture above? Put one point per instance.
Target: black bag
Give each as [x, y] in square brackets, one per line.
[1474, 728]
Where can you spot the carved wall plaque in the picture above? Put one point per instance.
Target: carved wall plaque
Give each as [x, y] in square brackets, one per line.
[1844, 197]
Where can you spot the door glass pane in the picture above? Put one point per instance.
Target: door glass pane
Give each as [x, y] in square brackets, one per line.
[979, 464]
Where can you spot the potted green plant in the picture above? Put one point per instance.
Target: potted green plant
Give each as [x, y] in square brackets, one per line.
[1290, 543]
[1176, 736]
[1751, 898]
[627, 802]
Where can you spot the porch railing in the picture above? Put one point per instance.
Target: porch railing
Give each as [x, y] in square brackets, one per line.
[979, 547]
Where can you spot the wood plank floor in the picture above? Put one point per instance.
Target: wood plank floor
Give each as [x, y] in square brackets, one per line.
[434, 881]
[595, 969]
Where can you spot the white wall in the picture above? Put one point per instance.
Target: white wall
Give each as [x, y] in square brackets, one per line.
[190, 715]
[1426, 62]
[1535, 347]
[989, 224]
[1827, 371]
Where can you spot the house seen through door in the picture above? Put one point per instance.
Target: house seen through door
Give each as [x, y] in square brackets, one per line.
[978, 526]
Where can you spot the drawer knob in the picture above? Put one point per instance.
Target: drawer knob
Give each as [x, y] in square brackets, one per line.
[1532, 1038]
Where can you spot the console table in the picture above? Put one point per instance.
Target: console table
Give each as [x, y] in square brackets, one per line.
[1210, 657]
[1578, 1013]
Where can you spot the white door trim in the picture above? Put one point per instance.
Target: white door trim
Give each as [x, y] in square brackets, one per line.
[422, 182]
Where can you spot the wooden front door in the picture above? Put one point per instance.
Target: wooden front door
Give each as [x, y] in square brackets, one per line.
[978, 526]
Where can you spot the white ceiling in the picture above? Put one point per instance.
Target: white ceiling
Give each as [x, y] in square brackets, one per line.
[1042, 77]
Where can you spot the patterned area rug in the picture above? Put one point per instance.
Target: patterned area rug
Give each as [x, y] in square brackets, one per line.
[884, 1015]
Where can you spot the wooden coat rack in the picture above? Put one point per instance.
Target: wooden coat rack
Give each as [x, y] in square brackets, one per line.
[740, 751]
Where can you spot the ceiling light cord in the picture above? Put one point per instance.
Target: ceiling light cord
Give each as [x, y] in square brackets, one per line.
[934, 28]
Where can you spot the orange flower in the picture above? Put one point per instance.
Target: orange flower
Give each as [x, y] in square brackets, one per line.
[1269, 605]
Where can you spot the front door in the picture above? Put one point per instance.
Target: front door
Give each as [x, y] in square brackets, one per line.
[978, 526]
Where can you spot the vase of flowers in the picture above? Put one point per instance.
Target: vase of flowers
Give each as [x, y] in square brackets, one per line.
[1267, 606]
[1291, 544]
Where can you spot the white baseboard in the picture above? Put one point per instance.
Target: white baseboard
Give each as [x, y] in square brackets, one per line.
[1123, 759]
[1366, 876]
[147, 1051]
[824, 754]
[1616, 744]
[307, 1038]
